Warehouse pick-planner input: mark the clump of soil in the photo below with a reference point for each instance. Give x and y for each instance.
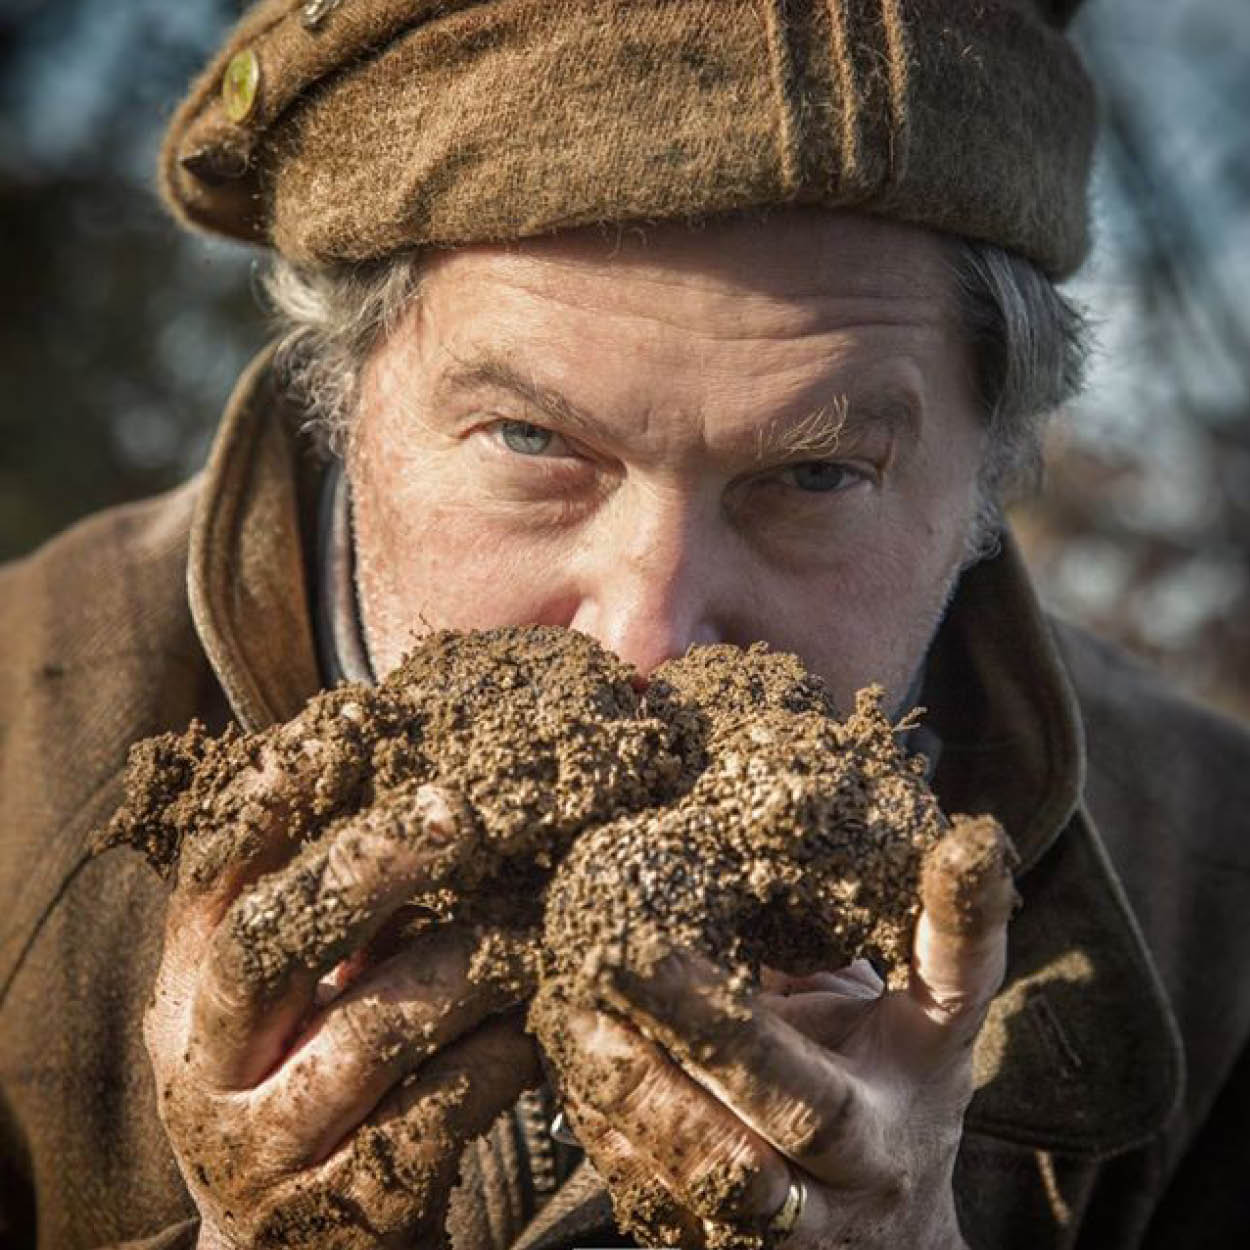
(799, 843)
(539, 732)
(726, 810)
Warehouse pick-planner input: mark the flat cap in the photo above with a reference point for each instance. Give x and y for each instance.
(346, 130)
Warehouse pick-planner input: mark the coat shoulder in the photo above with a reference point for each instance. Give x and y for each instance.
(111, 584)
(100, 650)
(99, 642)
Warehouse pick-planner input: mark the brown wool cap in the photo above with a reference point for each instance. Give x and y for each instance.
(344, 130)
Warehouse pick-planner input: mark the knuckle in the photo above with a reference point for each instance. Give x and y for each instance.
(366, 1027)
(284, 1149)
(248, 1145)
(409, 1154)
(813, 1130)
(602, 1063)
(227, 967)
(276, 1131)
(730, 1176)
(593, 1131)
(257, 949)
(149, 1030)
(641, 1085)
(223, 1019)
(948, 1006)
(160, 1030)
(364, 864)
(350, 868)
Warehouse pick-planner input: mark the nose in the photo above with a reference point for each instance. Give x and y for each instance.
(649, 582)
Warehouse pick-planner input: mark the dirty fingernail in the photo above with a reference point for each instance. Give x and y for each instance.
(441, 813)
(966, 886)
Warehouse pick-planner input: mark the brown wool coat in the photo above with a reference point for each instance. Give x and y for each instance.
(1113, 1088)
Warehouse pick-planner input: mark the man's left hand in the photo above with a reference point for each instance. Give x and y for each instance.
(824, 1086)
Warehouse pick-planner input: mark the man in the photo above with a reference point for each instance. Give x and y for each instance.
(671, 322)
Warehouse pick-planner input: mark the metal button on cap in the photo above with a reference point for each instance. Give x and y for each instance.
(240, 85)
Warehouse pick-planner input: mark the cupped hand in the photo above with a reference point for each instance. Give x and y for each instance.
(316, 1077)
(708, 1111)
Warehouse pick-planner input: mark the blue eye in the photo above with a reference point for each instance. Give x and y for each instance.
(524, 438)
(819, 475)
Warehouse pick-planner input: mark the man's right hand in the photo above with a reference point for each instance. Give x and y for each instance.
(301, 1121)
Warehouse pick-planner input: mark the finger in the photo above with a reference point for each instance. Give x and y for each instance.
(643, 1206)
(704, 1154)
(382, 1027)
(405, 925)
(265, 958)
(267, 798)
(389, 1182)
(824, 1006)
(827, 1018)
(960, 949)
(790, 1090)
(248, 810)
(858, 979)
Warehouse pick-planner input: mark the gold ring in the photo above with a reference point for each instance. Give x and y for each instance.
(791, 1210)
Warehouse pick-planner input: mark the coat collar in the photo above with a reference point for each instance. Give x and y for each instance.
(1080, 1053)
(246, 573)
(1001, 704)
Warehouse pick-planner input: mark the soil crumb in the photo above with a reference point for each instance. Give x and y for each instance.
(725, 809)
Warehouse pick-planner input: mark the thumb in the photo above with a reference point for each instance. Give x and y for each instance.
(959, 953)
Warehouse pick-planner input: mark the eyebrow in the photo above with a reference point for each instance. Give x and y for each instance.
(827, 429)
(499, 373)
(820, 434)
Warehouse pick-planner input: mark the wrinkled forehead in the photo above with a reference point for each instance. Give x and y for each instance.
(793, 258)
(720, 328)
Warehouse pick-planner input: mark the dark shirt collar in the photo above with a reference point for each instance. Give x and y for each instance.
(342, 654)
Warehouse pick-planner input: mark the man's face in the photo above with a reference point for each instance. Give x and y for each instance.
(752, 431)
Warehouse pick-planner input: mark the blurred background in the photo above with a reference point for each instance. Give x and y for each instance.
(122, 336)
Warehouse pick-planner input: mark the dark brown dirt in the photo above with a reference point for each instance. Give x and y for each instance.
(727, 810)
(798, 845)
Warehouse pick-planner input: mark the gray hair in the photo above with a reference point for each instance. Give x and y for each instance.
(1029, 347)
(329, 321)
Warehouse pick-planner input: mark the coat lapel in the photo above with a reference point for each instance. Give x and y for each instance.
(1080, 1053)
